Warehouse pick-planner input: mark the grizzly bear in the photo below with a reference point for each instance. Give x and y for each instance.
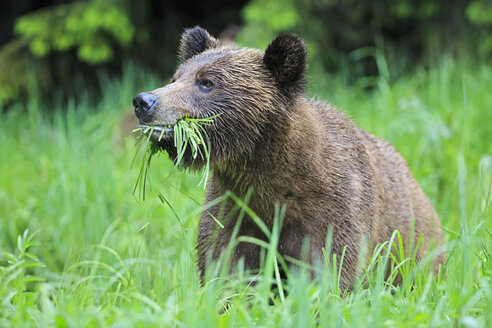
(269, 138)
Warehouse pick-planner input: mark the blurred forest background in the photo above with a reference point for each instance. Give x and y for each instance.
(77, 249)
(58, 46)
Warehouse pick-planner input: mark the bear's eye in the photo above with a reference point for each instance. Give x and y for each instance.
(172, 80)
(205, 85)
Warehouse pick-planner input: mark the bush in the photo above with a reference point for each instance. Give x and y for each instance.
(93, 27)
(410, 31)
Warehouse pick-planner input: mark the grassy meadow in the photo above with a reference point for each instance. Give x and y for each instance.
(77, 249)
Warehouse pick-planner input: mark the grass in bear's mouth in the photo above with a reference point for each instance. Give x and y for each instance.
(188, 132)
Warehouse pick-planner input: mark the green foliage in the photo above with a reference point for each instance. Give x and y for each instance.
(265, 18)
(108, 260)
(479, 12)
(413, 31)
(16, 276)
(149, 150)
(41, 55)
(92, 27)
(14, 67)
(188, 133)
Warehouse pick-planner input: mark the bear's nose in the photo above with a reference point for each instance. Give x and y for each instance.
(144, 103)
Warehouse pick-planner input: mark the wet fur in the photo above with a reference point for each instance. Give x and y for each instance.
(290, 150)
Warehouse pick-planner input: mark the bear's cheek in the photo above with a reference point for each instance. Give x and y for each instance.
(204, 106)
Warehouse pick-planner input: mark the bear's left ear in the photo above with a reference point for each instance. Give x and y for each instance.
(286, 58)
(194, 41)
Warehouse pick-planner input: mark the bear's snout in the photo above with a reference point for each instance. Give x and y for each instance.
(144, 104)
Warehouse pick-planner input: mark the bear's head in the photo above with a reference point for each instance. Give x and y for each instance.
(249, 91)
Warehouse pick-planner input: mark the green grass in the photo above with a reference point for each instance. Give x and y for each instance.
(188, 133)
(79, 250)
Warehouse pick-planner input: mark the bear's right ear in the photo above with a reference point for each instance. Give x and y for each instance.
(286, 58)
(194, 41)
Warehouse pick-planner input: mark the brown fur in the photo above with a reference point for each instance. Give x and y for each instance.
(290, 150)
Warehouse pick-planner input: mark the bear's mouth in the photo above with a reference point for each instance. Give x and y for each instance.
(158, 132)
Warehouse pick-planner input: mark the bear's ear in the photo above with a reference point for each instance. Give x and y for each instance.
(194, 41)
(286, 58)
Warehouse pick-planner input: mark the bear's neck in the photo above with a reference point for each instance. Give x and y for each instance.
(285, 158)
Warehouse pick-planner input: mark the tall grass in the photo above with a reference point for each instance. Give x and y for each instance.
(188, 133)
(77, 249)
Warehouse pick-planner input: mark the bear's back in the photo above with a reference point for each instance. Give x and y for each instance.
(388, 191)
